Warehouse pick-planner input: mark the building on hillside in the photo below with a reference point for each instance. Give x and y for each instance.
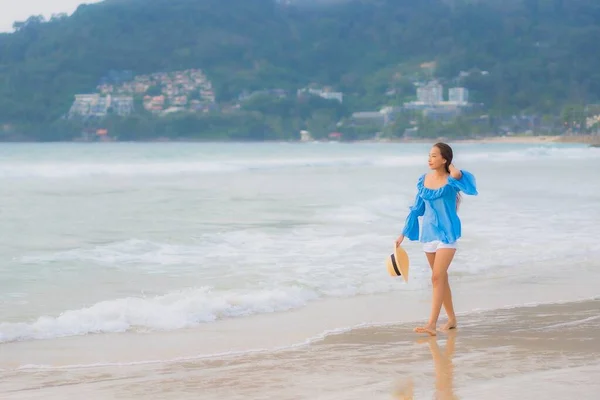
(154, 104)
(430, 101)
(274, 93)
(339, 96)
(305, 136)
(122, 105)
(431, 93)
(336, 136)
(458, 95)
(97, 106)
(368, 118)
(592, 124)
(178, 89)
(82, 104)
(88, 105)
(325, 94)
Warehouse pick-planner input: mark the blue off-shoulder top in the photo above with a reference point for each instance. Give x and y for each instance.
(438, 208)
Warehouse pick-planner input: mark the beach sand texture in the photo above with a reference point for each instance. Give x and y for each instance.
(547, 351)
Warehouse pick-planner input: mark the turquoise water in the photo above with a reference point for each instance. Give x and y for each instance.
(123, 237)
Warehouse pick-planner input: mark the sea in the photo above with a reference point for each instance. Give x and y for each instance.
(195, 270)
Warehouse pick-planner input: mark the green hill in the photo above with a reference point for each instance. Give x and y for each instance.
(539, 55)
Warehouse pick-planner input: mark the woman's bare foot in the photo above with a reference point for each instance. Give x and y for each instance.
(451, 324)
(429, 329)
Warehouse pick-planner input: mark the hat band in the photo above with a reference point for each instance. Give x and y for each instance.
(395, 266)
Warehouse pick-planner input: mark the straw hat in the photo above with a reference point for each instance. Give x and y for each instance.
(397, 263)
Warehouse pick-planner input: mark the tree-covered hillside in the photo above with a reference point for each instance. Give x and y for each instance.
(539, 55)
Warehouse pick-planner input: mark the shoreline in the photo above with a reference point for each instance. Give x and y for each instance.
(290, 329)
(592, 140)
(490, 354)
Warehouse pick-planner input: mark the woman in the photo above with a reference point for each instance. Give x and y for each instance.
(438, 196)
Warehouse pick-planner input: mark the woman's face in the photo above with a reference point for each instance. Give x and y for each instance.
(436, 161)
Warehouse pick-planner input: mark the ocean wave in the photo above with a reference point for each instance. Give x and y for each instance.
(123, 253)
(476, 316)
(175, 310)
(271, 278)
(74, 169)
(282, 292)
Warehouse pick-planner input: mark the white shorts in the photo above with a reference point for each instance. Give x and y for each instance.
(432, 247)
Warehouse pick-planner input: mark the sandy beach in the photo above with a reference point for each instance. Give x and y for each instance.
(547, 351)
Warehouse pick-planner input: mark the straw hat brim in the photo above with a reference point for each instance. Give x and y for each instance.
(397, 263)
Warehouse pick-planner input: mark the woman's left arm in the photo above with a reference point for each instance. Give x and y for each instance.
(455, 173)
(462, 180)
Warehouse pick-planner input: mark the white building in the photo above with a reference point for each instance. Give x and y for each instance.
(305, 136)
(122, 105)
(84, 105)
(339, 96)
(369, 117)
(431, 93)
(96, 105)
(458, 95)
(332, 96)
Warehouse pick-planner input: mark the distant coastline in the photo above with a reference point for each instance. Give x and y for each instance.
(584, 139)
(516, 139)
(592, 140)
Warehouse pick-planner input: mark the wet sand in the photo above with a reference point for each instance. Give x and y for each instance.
(547, 351)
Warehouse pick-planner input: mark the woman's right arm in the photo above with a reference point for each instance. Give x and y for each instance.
(411, 224)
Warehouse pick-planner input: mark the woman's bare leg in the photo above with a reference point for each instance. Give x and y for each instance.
(448, 305)
(439, 279)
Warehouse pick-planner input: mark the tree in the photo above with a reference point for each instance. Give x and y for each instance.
(518, 54)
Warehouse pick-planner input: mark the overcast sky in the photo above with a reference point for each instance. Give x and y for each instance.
(20, 10)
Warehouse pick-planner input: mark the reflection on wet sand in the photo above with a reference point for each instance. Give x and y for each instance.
(444, 370)
(535, 352)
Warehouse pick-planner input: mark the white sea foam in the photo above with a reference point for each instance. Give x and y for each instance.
(72, 169)
(303, 281)
(181, 309)
(475, 315)
(123, 253)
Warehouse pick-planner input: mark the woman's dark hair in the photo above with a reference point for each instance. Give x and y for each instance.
(447, 154)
